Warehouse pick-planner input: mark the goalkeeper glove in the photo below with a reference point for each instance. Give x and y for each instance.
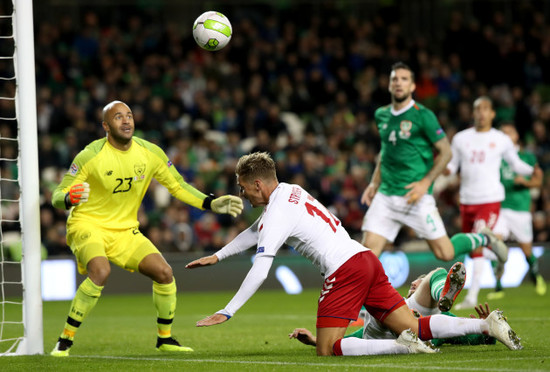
(227, 204)
(77, 194)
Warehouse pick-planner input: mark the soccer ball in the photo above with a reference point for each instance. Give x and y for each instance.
(212, 30)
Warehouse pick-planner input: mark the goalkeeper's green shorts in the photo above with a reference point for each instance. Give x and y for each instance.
(124, 248)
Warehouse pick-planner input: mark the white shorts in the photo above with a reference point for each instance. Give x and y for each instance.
(387, 214)
(514, 225)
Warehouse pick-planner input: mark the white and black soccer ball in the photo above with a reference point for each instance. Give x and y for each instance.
(212, 30)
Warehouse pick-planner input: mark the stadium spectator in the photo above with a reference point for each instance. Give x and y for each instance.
(129, 56)
(103, 189)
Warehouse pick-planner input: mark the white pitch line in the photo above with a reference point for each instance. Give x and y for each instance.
(429, 364)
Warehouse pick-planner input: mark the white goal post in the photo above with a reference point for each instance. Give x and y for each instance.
(25, 104)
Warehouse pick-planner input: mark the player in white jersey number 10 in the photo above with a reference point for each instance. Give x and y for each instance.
(478, 153)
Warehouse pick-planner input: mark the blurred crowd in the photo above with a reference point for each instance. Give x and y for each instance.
(302, 88)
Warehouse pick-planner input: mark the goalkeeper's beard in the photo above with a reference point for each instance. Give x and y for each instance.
(120, 139)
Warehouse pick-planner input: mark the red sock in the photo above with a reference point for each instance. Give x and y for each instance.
(424, 330)
(476, 253)
(336, 348)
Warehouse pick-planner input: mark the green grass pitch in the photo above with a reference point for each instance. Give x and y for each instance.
(119, 335)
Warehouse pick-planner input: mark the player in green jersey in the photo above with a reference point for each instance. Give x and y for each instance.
(103, 190)
(515, 220)
(400, 191)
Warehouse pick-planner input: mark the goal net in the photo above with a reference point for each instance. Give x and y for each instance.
(20, 295)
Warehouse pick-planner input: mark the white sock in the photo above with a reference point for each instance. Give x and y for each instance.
(489, 254)
(479, 264)
(360, 346)
(444, 326)
(425, 311)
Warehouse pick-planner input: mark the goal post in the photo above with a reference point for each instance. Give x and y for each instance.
(25, 108)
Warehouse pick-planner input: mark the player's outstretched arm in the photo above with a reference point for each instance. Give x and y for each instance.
(227, 204)
(304, 336)
(482, 312)
(213, 319)
(203, 261)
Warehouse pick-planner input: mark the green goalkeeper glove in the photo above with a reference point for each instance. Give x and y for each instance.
(77, 194)
(227, 204)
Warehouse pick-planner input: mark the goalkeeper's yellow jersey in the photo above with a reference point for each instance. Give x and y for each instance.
(118, 182)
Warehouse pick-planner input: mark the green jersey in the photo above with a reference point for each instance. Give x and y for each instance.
(518, 197)
(407, 146)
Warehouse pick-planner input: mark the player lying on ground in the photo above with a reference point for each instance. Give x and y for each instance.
(354, 277)
(103, 190)
(428, 295)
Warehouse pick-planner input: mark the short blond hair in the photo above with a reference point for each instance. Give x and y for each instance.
(256, 165)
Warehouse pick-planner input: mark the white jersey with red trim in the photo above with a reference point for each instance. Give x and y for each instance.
(295, 218)
(478, 155)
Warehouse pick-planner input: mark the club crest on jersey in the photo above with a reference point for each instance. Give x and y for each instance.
(405, 127)
(139, 170)
(73, 170)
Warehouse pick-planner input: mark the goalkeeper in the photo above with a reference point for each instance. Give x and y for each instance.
(103, 190)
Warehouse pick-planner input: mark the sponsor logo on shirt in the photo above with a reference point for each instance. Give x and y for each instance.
(439, 131)
(169, 163)
(73, 170)
(260, 250)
